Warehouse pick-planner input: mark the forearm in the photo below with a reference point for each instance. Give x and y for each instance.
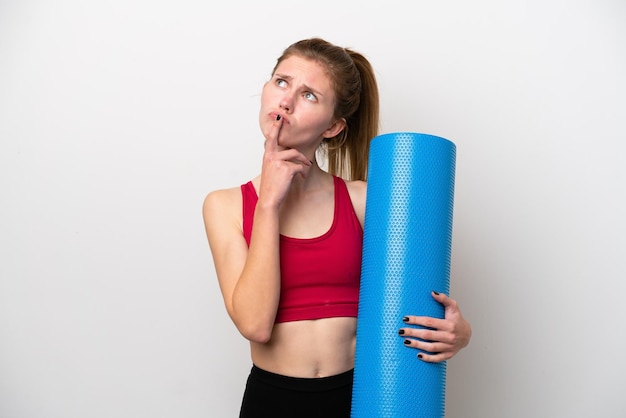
(256, 296)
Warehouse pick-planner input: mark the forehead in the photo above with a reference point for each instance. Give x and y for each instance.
(305, 71)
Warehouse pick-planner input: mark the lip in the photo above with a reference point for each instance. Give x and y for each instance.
(273, 115)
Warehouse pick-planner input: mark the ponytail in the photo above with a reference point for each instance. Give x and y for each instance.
(348, 159)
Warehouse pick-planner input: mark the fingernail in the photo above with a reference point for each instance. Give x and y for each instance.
(401, 332)
(420, 356)
(405, 319)
(436, 293)
(277, 117)
(407, 342)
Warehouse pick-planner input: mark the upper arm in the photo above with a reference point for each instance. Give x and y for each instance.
(222, 216)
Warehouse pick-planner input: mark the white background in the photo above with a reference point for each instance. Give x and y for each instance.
(117, 118)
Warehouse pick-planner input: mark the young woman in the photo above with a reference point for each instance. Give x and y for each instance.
(287, 245)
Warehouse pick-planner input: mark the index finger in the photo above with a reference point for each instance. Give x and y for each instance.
(271, 139)
(425, 321)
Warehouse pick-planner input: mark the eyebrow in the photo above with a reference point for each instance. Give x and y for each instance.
(306, 86)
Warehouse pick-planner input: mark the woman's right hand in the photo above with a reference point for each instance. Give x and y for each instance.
(279, 168)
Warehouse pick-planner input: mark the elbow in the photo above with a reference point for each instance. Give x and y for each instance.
(260, 338)
(256, 333)
(254, 329)
(254, 325)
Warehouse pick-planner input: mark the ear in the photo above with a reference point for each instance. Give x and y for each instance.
(335, 128)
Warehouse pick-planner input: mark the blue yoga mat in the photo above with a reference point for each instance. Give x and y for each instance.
(406, 255)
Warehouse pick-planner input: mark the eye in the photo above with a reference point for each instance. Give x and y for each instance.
(280, 82)
(310, 96)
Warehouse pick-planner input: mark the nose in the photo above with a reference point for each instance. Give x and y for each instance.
(286, 103)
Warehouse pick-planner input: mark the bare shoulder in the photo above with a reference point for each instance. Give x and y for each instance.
(357, 190)
(222, 208)
(222, 199)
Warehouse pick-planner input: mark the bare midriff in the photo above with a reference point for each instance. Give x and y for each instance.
(312, 348)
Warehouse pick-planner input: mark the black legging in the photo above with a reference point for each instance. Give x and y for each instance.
(272, 395)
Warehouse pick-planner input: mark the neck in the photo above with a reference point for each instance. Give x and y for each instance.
(314, 178)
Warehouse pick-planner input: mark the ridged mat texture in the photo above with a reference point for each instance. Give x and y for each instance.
(406, 255)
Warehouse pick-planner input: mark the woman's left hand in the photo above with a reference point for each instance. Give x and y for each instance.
(441, 339)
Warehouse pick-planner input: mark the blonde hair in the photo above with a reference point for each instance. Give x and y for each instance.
(357, 101)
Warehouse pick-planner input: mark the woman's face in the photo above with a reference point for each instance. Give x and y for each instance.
(300, 92)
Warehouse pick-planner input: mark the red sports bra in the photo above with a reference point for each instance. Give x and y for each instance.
(319, 276)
